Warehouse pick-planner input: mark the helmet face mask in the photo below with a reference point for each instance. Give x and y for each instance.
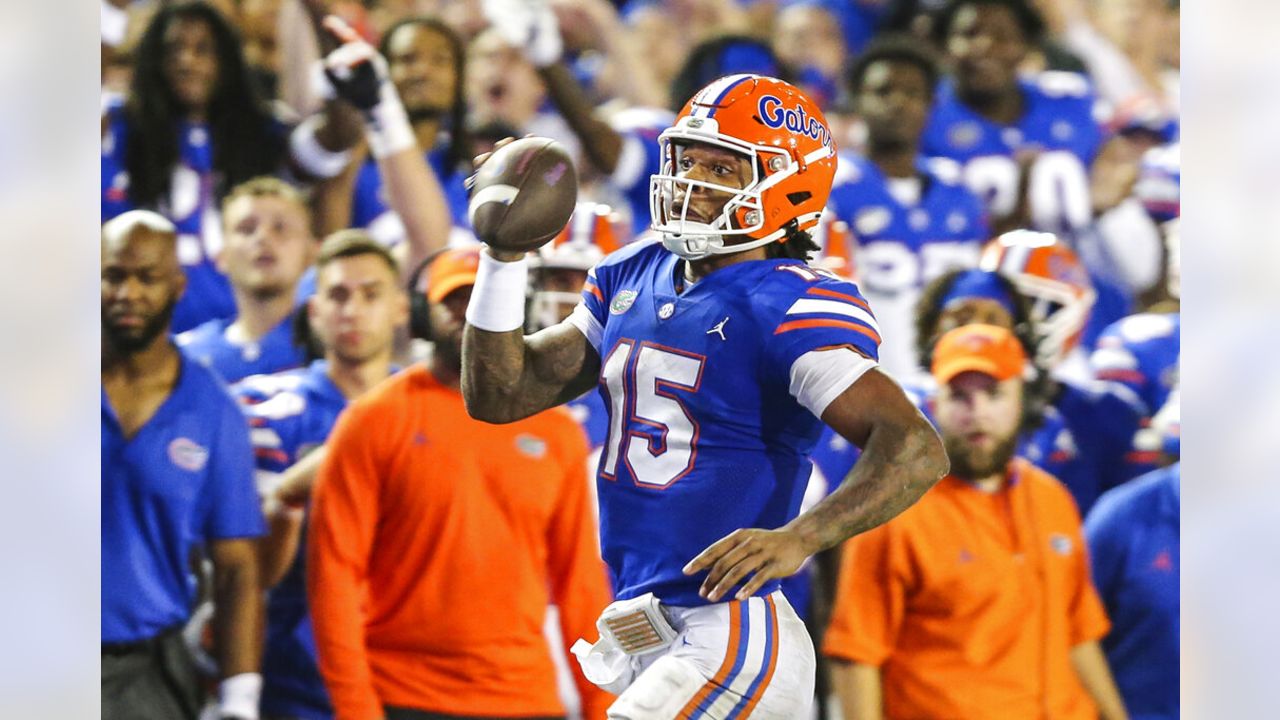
(788, 146)
(593, 231)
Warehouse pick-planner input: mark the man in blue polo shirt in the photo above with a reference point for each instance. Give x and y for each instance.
(177, 475)
(1134, 550)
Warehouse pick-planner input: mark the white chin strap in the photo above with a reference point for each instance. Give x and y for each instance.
(706, 240)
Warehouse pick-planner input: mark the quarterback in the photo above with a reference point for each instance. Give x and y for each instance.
(720, 354)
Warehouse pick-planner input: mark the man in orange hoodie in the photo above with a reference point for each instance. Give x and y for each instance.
(976, 601)
(438, 541)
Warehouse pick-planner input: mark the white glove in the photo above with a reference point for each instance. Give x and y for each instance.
(528, 25)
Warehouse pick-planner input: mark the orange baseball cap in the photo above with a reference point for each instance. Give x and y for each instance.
(987, 349)
(452, 269)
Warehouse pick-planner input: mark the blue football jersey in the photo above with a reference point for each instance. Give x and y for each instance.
(705, 436)
(1136, 360)
(209, 343)
(900, 248)
(1058, 120)
(1135, 558)
(369, 207)
(591, 413)
(290, 414)
(191, 207)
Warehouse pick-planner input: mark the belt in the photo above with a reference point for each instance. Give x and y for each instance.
(139, 646)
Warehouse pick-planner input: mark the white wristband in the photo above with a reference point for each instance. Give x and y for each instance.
(497, 299)
(387, 126)
(238, 695)
(311, 155)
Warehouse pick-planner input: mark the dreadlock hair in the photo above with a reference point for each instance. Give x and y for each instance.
(1039, 390)
(241, 125)
(797, 245)
(458, 154)
(720, 56)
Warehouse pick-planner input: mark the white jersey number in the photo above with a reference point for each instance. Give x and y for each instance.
(1057, 188)
(638, 381)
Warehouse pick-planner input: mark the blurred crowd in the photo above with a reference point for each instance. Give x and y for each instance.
(285, 193)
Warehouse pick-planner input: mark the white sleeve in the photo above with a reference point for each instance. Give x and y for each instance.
(582, 319)
(819, 376)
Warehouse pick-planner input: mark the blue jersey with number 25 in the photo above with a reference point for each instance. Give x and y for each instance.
(705, 436)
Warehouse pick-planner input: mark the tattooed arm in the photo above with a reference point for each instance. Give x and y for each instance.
(902, 457)
(507, 376)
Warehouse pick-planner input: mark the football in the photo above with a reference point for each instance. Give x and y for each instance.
(523, 194)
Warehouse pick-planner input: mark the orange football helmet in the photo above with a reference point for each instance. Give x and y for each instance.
(1053, 279)
(594, 230)
(793, 160)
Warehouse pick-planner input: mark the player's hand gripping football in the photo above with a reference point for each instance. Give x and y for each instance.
(752, 554)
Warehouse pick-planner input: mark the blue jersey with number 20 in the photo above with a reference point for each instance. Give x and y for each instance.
(705, 436)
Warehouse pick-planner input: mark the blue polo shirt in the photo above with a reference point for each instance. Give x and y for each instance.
(185, 478)
(234, 361)
(1134, 549)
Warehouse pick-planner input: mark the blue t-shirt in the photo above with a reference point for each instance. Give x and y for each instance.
(183, 480)
(291, 413)
(369, 208)
(704, 436)
(1136, 360)
(274, 352)
(900, 247)
(1134, 550)
(1058, 120)
(191, 206)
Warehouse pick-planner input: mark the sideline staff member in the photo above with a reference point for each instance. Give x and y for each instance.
(177, 472)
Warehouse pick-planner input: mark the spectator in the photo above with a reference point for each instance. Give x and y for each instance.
(176, 475)
(425, 61)
(985, 578)
(417, 510)
(268, 239)
(1134, 547)
(913, 218)
(1000, 125)
(358, 305)
(192, 127)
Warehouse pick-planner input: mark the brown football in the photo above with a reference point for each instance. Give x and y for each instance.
(523, 194)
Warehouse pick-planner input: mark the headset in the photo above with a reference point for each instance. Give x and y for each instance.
(419, 308)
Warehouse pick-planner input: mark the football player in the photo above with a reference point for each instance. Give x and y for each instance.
(557, 273)
(425, 61)
(910, 220)
(358, 305)
(1025, 143)
(721, 354)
